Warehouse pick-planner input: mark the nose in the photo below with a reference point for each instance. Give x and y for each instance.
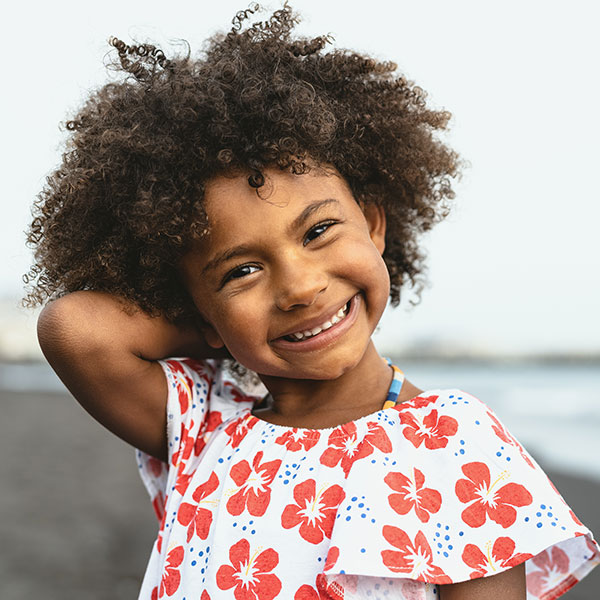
(300, 282)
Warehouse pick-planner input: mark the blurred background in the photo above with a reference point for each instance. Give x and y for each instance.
(510, 313)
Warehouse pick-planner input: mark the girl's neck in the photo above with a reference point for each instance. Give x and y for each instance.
(319, 404)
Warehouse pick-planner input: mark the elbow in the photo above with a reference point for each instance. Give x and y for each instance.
(64, 326)
(52, 328)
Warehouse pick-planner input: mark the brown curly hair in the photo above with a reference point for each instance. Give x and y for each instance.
(126, 202)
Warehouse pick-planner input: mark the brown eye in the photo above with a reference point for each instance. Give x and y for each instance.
(317, 231)
(240, 272)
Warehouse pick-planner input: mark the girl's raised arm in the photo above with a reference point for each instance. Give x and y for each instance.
(508, 585)
(105, 352)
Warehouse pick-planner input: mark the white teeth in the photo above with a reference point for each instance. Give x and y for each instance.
(300, 335)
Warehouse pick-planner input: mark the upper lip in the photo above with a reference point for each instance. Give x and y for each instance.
(309, 324)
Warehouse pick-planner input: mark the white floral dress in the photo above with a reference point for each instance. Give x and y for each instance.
(432, 491)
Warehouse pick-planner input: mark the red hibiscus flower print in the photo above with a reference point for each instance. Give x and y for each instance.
(307, 592)
(412, 495)
(183, 480)
(332, 555)
(295, 440)
(250, 575)
(254, 483)
(416, 402)
(324, 590)
(186, 445)
(195, 516)
(327, 588)
(432, 430)
(171, 577)
(158, 504)
(184, 384)
(204, 595)
(346, 447)
(156, 466)
(233, 393)
(553, 574)
(181, 456)
(574, 517)
(413, 558)
(214, 419)
(497, 557)
(314, 511)
(486, 499)
(507, 438)
(237, 430)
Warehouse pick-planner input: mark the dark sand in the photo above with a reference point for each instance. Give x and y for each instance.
(75, 520)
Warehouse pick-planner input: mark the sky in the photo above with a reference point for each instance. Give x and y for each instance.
(514, 269)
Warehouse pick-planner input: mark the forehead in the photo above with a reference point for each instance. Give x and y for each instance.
(229, 200)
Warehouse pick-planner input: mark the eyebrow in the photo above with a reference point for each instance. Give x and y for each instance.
(244, 249)
(224, 257)
(309, 211)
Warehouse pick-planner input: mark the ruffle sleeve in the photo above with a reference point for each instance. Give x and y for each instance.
(453, 497)
(189, 385)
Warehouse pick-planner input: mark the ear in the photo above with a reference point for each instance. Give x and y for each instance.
(210, 334)
(375, 217)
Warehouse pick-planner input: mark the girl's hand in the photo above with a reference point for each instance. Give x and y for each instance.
(105, 352)
(508, 585)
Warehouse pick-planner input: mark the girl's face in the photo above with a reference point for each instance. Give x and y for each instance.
(292, 284)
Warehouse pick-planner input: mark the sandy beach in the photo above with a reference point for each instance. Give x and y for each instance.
(76, 521)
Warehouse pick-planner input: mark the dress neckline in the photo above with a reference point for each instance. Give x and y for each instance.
(391, 401)
(316, 431)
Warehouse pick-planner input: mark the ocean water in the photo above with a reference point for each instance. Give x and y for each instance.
(552, 409)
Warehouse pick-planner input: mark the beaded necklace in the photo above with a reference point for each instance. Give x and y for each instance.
(395, 386)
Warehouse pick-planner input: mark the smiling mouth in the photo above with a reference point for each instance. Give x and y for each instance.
(299, 336)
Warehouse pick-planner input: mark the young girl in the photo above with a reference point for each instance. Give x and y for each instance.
(256, 208)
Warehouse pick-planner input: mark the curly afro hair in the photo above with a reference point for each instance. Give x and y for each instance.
(126, 202)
